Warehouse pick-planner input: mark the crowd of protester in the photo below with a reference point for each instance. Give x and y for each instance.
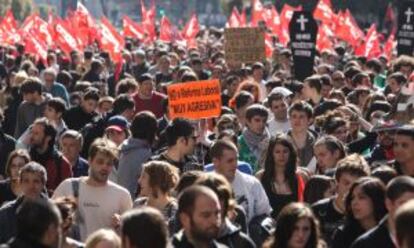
(89, 156)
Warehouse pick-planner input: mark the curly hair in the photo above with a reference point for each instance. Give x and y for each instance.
(162, 176)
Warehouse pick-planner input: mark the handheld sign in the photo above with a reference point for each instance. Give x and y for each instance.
(405, 34)
(244, 45)
(303, 30)
(194, 100)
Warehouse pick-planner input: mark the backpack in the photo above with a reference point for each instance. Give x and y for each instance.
(90, 132)
(75, 230)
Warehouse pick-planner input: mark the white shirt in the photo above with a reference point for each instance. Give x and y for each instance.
(276, 126)
(250, 195)
(96, 205)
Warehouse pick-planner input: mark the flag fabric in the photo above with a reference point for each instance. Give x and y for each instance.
(243, 18)
(192, 28)
(165, 30)
(258, 13)
(268, 45)
(273, 20)
(234, 19)
(285, 17)
(35, 46)
(9, 22)
(10, 28)
(323, 11)
(148, 20)
(111, 41)
(324, 38)
(64, 37)
(132, 29)
(347, 29)
(35, 24)
(83, 25)
(370, 46)
(389, 46)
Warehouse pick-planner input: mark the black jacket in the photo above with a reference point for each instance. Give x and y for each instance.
(8, 219)
(76, 118)
(346, 234)
(93, 130)
(181, 241)
(379, 236)
(7, 145)
(140, 69)
(23, 243)
(233, 237)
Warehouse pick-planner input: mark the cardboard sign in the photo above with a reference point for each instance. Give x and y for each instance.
(194, 100)
(405, 34)
(303, 30)
(244, 45)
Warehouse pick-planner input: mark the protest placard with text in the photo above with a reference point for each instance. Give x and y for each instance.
(244, 45)
(194, 100)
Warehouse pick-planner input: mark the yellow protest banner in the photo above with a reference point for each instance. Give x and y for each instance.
(194, 100)
(244, 45)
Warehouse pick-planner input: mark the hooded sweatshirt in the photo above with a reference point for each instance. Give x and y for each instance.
(134, 152)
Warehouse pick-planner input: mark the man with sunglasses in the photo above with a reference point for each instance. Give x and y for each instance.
(181, 139)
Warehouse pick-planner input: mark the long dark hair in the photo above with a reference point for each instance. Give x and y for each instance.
(286, 222)
(375, 190)
(269, 163)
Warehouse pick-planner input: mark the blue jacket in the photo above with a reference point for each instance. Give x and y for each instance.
(58, 90)
(134, 152)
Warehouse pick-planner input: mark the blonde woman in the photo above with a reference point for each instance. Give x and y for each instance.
(103, 238)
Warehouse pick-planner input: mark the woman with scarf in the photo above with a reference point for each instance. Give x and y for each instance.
(280, 177)
(255, 136)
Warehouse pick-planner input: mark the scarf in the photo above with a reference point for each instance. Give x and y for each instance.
(256, 142)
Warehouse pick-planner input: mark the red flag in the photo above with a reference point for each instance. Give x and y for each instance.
(348, 30)
(370, 46)
(11, 38)
(9, 26)
(285, 17)
(268, 46)
(64, 37)
(192, 28)
(37, 47)
(323, 11)
(389, 47)
(165, 30)
(132, 29)
(111, 41)
(9, 22)
(258, 12)
(148, 20)
(273, 20)
(323, 40)
(243, 18)
(84, 25)
(35, 24)
(234, 19)
(29, 23)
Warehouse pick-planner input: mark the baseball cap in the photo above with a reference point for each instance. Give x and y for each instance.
(117, 123)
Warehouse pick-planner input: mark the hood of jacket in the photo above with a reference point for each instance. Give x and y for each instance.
(133, 144)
